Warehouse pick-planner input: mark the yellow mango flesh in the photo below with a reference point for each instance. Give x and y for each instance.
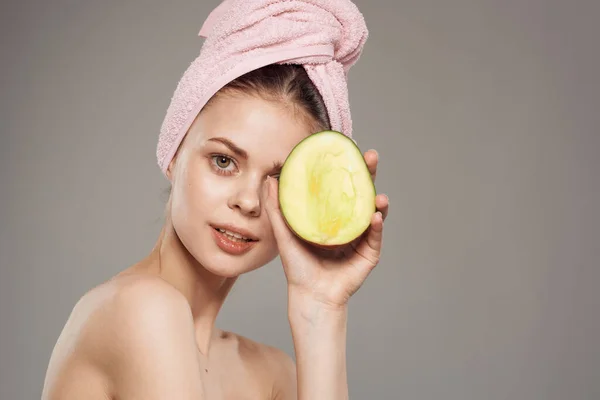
(326, 192)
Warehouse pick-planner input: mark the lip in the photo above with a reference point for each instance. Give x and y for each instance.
(232, 228)
(229, 246)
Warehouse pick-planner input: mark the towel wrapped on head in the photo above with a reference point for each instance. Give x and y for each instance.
(326, 37)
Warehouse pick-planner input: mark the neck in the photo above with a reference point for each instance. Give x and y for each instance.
(204, 291)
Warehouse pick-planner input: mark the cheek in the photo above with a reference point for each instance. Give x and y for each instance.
(196, 195)
(199, 189)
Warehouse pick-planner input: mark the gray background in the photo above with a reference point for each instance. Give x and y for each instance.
(485, 114)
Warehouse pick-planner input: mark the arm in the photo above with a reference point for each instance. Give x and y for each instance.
(319, 287)
(319, 335)
(145, 344)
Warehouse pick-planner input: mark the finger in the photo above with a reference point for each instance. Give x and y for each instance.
(382, 203)
(271, 199)
(368, 250)
(372, 159)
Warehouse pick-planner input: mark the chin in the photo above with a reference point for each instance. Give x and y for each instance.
(223, 258)
(222, 261)
(228, 266)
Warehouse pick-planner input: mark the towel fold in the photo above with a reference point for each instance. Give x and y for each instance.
(326, 37)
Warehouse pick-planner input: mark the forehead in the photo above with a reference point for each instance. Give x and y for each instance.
(262, 128)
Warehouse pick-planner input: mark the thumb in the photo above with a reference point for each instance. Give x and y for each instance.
(282, 232)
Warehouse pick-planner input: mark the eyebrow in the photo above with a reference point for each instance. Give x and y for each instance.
(277, 165)
(232, 146)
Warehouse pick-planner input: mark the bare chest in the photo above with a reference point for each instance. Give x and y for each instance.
(227, 375)
(232, 386)
(221, 381)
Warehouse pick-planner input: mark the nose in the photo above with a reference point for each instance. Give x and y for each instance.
(247, 200)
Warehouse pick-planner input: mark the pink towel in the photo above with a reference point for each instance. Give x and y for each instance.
(326, 37)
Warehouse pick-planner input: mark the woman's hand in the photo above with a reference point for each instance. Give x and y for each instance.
(328, 276)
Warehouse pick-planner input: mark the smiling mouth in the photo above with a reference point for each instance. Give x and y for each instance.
(233, 236)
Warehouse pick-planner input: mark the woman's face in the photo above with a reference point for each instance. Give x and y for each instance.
(218, 176)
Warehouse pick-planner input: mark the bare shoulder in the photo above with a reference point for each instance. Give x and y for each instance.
(132, 308)
(277, 366)
(118, 331)
(128, 301)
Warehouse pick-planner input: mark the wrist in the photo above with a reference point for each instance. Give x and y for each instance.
(310, 309)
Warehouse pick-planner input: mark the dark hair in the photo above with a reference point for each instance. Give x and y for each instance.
(287, 83)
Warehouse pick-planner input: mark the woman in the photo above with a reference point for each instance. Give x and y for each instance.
(149, 333)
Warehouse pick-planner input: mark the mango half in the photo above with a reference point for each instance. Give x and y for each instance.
(326, 193)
